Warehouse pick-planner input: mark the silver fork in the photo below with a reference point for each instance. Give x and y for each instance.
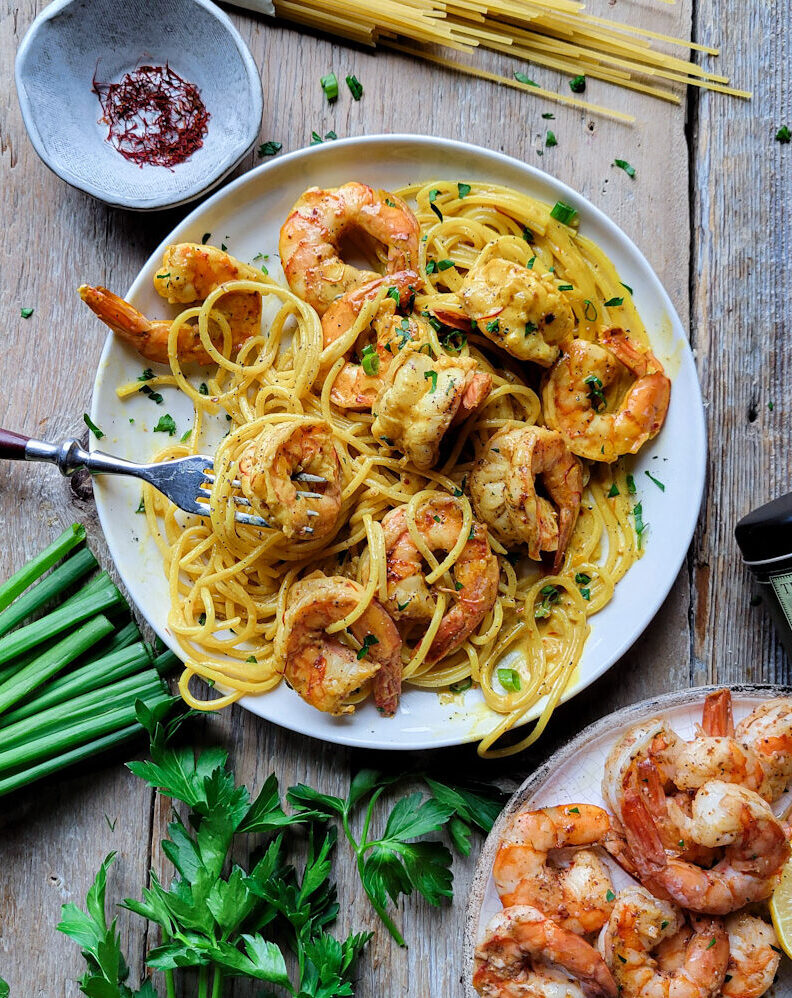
(183, 480)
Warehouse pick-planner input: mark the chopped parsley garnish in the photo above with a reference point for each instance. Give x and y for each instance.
(445, 264)
(186, 435)
(595, 393)
(530, 263)
(201, 619)
(472, 533)
(590, 311)
(550, 139)
(431, 266)
(92, 426)
(631, 485)
(402, 606)
(147, 375)
(610, 896)
(458, 586)
(203, 388)
(166, 425)
(624, 165)
(389, 203)
(368, 641)
(461, 686)
(206, 237)
(626, 286)
(317, 139)
(463, 190)
(657, 481)
(432, 376)
(223, 246)
(770, 406)
(573, 810)
(581, 579)
(269, 148)
(527, 234)
(712, 942)
(155, 397)
(563, 212)
(455, 341)
(548, 115)
(251, 658)
(393, 292)
(330, 86)
(141, 506)
(493, 326)
(523, 78)
(783, 135)
(550, 594)
(577, 84)
(530, 327)
(432, 198)
(509, 680)
(566, 287)
(26, 312)
(613, 491)
(355, 87)
(614, 302)
(664, 924)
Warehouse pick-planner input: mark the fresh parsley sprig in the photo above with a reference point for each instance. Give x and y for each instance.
(391, 863)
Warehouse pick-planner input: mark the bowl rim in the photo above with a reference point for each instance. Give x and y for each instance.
(231, 161)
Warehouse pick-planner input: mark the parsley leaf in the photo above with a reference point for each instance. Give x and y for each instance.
(269, 148)
(166, 424)
(92, 426)
(783, 135)
(523, 78)
(624, 165)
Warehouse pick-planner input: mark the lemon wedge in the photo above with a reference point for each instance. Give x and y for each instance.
(781, 909)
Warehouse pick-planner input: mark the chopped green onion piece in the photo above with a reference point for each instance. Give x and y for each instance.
(445, 264)
(432, 376)
(548, 115)
(550, 139)
(613, 491)
(563, 212)
(92, 426)
(631, 485)
(509, 680)
(402, 606)
(463, 190)
(369, 358)
(523, 78)
(461, 686)
(269, 148)
(206, 237)
(147, 375)
(393, 292)
(186, 435)
(624, 165)
(330, 86)
(432, 198)
(614, 302)
(530, 263)
(566, 287)
(355, 86)
(657, 481)
(626, 286)
(26, 312)
(640, 526)
(527, 234)
(590, 311)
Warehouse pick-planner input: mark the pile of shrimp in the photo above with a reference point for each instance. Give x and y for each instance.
(693, 824)
(460, 415)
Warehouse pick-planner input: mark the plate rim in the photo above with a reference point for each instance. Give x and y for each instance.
(634, 713)
(230, 163)
(358, 736)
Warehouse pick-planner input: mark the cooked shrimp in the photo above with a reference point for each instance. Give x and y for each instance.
(525, 955)
(311, 237)
(421, 398)
(576, 895)
(638, 925)
(753, 956)
(475, 572)
(715, 754)
(503, 489)
(723, 815)
(353, 387)
(518, 309)
(269, 464)
(319, 666)
(189, 273)
(575, 403)
(768, 732)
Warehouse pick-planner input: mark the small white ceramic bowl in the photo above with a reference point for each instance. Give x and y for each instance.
(73, 40)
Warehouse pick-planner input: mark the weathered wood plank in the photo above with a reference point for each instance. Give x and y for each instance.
(54, 237)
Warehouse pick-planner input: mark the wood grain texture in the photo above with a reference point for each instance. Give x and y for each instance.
(735, 291)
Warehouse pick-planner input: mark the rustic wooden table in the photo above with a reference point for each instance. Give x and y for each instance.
(710, 207)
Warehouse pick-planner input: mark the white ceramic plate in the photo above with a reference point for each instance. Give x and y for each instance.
(574, 775)
(247, 217)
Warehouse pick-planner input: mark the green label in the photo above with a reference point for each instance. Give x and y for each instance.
(782, 587)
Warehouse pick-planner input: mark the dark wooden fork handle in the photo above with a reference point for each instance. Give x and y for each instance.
(12, 445)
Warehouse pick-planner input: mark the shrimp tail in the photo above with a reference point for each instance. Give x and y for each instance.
(718, 718)
(644, 844)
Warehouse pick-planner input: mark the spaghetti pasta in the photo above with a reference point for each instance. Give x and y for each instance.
(230, 582)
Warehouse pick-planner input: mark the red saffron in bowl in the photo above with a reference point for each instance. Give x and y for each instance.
(154, 117)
